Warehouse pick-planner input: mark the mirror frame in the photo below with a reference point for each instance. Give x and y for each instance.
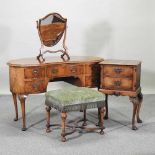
(65, 56)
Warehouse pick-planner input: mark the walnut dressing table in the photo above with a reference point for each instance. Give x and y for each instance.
(29, 76)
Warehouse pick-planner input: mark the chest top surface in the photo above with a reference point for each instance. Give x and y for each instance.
(53, 60)
(121, 62)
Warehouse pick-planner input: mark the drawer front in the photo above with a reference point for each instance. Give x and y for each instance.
(34, 72)
(56, 71)
(117, 83)
(35, 86)
(117, 70)
(74, 70)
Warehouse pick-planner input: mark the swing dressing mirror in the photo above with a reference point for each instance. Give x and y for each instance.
(51, 29)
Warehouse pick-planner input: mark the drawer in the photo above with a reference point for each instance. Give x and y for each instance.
(117, 70)
(74, 70)
(56, 71)
(117, 83)
(34, 72)
(35, 86)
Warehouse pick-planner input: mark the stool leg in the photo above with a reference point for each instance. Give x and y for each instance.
(63, 125)
(99, 116)
(84, 118)
(106, 105)
(48, 109)
(102, 120)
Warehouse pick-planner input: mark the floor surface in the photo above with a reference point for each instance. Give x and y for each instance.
(118, 139)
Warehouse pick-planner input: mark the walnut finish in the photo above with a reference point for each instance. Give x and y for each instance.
(83, 126)
(29, 76)
(122, 77)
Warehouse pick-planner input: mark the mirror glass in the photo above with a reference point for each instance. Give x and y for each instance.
(51, 29)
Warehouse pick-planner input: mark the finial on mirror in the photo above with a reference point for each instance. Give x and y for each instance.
(51, 29)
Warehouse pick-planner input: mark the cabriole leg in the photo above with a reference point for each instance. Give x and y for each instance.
(135, 103)
(22, 99)
(140, 98)
(15, 105)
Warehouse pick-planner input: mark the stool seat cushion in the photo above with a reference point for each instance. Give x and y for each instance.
(74, 98)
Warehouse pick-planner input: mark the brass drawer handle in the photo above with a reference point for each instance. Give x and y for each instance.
(54, 71)
(117, 83)
(73, 70)
(35, 71)
(118, 70)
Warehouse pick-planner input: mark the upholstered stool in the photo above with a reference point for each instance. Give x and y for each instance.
(75, 99)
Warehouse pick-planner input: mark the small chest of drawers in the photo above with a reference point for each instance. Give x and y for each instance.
(122, 77)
